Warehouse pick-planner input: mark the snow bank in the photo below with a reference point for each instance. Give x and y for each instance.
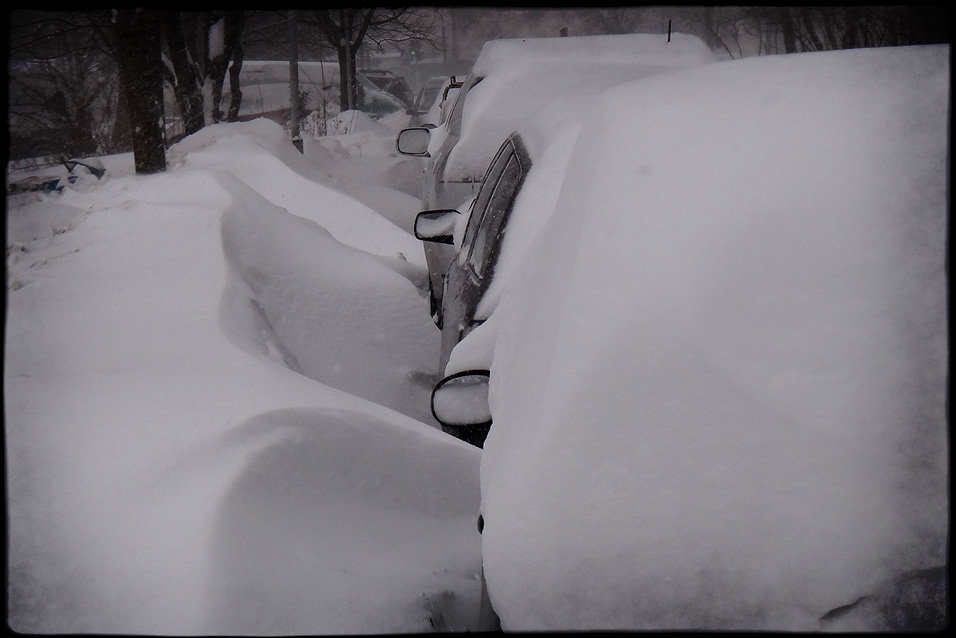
(333, 309)
(167, 472)
(345, 524)
(719, 379)
(367, 167)
(356, 122)
(289, 180)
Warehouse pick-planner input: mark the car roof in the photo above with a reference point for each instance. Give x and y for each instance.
(675, 50)
(617, 133)
(523, 76)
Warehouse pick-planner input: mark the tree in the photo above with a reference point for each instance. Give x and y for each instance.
(201, 48)
(137, 41)
(182, 73)
(66, 62)
(63, 93)
(225, 28)
(825, 28)
(295, 95)
(348, 29)
(70, 76)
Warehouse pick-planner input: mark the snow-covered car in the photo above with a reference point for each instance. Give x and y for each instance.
(426, 100)
(718, 369)
(477, 235)
(510, 82)
(488, 240)
(80, 173)
(390, 83)
(441, 107)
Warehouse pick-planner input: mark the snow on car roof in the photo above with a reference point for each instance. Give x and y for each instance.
(523, 76)
(678, 49)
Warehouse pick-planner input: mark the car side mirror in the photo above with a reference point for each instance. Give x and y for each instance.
(436, 225)
(414, 141)
(461, 400)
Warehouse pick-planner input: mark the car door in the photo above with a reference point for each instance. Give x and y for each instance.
(470, 273)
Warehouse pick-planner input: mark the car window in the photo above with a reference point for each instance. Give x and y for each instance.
(492, 221)
(493, 205)
(480, 206)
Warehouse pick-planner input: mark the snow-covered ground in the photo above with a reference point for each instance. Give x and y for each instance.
(216, 400)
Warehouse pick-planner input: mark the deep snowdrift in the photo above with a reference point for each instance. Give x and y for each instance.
(167, 472)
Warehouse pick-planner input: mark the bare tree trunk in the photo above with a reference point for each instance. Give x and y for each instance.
(347, 62)
(789, 33)
(217, 64)
(710, 27)
(184, 79)
(236, 54)
(140, 71)
(830, 39)
(235, 90)
(810, 28)
(294, 115)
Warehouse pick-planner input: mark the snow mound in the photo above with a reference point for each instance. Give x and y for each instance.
(346, 524)
(332, 308)
(259, 154)
(351, 122)
(150, 418)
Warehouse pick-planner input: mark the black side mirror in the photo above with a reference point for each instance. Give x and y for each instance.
(414, 141)
(461, 400)
(436, 225)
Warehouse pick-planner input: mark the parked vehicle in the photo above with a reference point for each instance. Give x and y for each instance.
(718, 364)
(510, 82)
(78, 171)
(470, 272)
(489, 240)
(426, 98)
(390, 83)
(441, 106)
